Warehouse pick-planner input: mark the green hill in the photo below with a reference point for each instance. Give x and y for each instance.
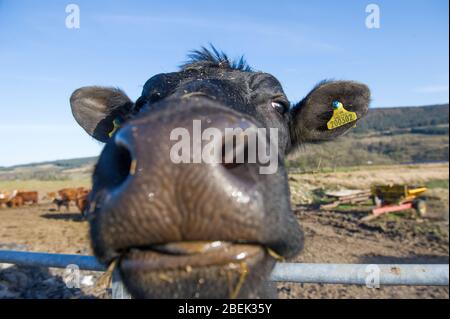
(62, 164)
(395, 118)
(51, 170)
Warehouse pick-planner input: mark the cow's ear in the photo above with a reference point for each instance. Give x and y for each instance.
(329, 110)
(99, 110)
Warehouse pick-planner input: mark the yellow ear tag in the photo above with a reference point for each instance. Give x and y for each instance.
(340, 116)
(116, 124)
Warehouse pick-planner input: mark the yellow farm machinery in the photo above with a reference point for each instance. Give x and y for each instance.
(398, 197)
(385, 198)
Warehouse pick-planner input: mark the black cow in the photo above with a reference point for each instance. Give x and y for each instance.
(187, 230)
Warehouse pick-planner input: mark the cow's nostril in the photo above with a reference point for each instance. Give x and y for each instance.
(123, 163)
(242, 167)
(237, 156)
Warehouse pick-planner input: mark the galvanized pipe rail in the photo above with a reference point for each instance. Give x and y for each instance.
(355, 274)
(363, 274)
(26, 258)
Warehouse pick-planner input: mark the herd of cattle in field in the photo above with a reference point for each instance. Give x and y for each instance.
(61, 198)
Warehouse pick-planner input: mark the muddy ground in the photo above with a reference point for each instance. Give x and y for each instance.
(330, 237)
(340, 237)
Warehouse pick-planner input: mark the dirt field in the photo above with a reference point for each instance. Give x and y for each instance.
(330, 237)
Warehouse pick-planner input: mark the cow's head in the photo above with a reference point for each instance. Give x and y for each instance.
(190, 228)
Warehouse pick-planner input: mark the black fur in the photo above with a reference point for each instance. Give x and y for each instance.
(214, 58)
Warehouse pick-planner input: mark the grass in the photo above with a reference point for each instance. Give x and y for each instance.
(351, 207)
(366, 151)
(385, 174)
(398, 215)
(437, 183)
(345, 207)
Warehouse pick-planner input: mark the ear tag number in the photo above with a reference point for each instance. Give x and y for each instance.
(116, 124)
(340, 116)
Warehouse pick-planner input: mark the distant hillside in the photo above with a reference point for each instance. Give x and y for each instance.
(384, 119)
(63, 164)
(385, 135)
(51, 170)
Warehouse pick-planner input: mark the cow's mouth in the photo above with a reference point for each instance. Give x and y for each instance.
(196, 270)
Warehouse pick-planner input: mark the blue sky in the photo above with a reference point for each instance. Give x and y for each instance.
(123, 43)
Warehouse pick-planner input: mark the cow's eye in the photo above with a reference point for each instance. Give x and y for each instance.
(155, 96)
(280, 106)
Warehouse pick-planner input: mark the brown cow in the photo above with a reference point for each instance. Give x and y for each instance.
(82, 201)
(19, 198)
(77, 195)
(70, 194)
(28, 197)
(15, 201)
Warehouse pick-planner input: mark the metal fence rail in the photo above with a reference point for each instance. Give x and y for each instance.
(357, 274)
(26, 258)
